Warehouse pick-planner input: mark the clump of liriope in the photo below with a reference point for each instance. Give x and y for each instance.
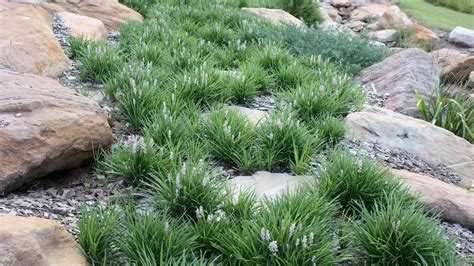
(352, 180)
(139, 103)
(242, 89)
(133, 74)
(201, 86)
(97, 227)
(172, 122)
(230, 137)
(263, 81)
(151, 53)
(137, 158)
(272, 57)
(77, 46)
(329, 129)
(293, 229)
(192, 186)
(148, 238)
(394, 232)
(283, 141)
(99, 62)
(333, 97)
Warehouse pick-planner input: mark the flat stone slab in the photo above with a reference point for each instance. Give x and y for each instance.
(266, 184)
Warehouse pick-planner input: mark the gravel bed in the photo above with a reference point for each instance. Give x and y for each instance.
(59, 197)
(398, 159)
(263, 103)
(463, 240)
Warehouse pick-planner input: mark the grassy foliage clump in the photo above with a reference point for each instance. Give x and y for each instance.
(394, 232)
(453, 114)
(284, 141)
(307, 10)
(230, 138)
(352, 181)
(187, 191)
(100, 61)
(293, 229)
(97, 227)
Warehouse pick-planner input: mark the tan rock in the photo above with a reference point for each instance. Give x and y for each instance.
(455, 65)
(422, 35)
(400, 76)
(253, 116)
(266, 184)
(39, 242)
(356, 25)
(27, 43)
(383, 36)
(454, 204)
(45, 127)
(369, 11)
(330, 12)
(393, 17)
(82, 26)
(110, 12)
(276, 16)
(395, 131)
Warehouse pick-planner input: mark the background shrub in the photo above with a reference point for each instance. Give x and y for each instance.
(466, 6)
(351, 52)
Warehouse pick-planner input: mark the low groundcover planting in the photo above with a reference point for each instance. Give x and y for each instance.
(171, 79)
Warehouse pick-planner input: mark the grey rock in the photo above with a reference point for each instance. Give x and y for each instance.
(402, 75)
(462, 36)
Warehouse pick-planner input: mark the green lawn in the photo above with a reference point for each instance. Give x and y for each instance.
(436, 16)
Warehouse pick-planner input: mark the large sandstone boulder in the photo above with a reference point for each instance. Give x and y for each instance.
(45, 127)
(369, 11)
(401, 76)
(454, 204)
(27, 43)
(266, 184)
(395, 131)
(393, 17)
(39, 242)
(276, 16)
(110, 12)
(329, 12)
(462, 36)
(455, 65)
(82, 26)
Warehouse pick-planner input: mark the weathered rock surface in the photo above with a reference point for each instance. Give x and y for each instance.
(369, 11)
(383, 36)
(35, 241)
(27, 43)
(401, 76)
(110, 12)
(253, 116)
(422, 35)
(45, 127)
(276, 16)
(462, 36)
(454, 204)
(268, 184)
(330, 12)
(87, 27)
(395, 131)
(393, 17)
(456, 65)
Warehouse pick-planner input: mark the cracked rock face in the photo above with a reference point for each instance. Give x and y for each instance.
(45, 127)
(395, 131)
(400, 76)
(27, 43)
